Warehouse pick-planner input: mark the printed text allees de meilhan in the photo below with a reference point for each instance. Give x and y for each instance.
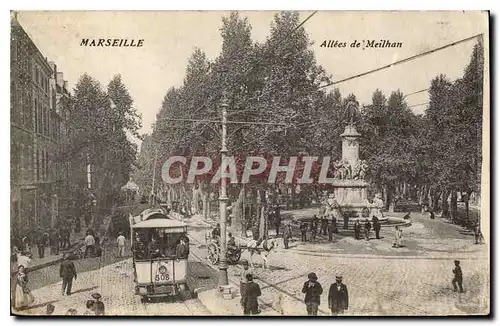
(101, 42)
(361, 44)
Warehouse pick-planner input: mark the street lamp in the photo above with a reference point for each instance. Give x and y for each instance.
(223, 279)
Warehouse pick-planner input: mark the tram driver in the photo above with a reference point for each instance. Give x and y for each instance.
(154, 248)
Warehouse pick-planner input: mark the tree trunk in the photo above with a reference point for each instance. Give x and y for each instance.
(390, 197)
(454, 206)
(444, 203)
(435, 195)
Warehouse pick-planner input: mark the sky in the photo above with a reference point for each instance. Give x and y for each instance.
(170, 38)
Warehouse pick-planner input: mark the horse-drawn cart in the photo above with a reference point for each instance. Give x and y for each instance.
(213, 248)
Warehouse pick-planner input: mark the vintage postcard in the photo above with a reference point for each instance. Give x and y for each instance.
(210, 163)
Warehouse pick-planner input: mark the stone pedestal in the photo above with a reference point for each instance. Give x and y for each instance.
(351, 194)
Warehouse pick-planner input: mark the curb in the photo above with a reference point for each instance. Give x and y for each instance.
(231, 280)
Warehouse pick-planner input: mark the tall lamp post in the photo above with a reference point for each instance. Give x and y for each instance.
(223, 279)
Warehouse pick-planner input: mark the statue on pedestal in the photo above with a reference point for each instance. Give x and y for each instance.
(359, 171)
(351, 111)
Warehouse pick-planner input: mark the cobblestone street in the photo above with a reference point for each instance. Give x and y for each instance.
(115, 283)
(378, 284)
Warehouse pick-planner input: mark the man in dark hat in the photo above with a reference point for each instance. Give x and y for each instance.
(357, 230)
(367, 229)
(324, 225)
(338, 297)
(303, 230)
(313, 290)
(457, 277)
(67, 272)
(98, 304)
(376, 226)
(252, 292)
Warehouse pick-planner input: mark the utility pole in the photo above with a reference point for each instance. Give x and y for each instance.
(152, 200)
(223, 279)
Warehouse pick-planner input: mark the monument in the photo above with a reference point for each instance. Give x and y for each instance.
(349, 197)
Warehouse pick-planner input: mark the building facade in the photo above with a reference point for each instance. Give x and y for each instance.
(38, 113)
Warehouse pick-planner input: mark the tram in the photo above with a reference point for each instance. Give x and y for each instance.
(160, 249)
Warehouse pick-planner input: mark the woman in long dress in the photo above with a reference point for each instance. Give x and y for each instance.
(23, 296)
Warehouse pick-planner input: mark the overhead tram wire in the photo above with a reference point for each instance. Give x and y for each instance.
(417, 92)
(403, 60)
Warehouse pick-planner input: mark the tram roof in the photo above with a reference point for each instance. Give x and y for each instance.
(159, 223)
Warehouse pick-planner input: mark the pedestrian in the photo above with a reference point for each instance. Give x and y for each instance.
(50, 309)
(303, 230)
(334, 225)
(324, 225)
(314, 230)
(252, 292)
(121, 245)
(277, 219)
(457, 277)
(89, 245)
(338, 297)
(312, 288)
(287, 235)
(65, 233)
(231, 243)
(99, 307)
(331, 230)
(367, 229)
(67, 272)
(23, 296)
(357, 230)
(26, 244)
(40, 244)
(54, 242)
(376, 226)
(398, 237)
(346, 221)
(244, 271)
(477, 234)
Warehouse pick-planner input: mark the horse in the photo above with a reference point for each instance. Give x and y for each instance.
(261, 248)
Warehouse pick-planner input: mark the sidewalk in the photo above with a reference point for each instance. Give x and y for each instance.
(37, 263)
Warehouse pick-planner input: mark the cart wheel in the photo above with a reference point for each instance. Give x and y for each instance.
(213, 254)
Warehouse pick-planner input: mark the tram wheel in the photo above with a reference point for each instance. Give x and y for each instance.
(213, 254)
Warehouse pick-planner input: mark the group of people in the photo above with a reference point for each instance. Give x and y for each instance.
(93, 307)
(367, 228)
(54, 238)
(322, 226)
(338, 296)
